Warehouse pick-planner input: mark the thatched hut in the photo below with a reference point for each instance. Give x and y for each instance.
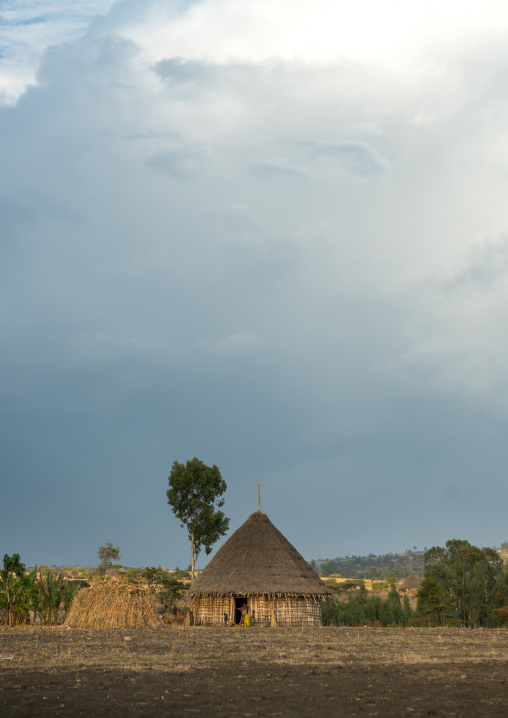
(257, 565)
(410, 584)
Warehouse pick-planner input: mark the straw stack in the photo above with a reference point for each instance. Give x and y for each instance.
(112, 604)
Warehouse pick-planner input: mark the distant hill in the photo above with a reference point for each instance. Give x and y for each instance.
(398, 565)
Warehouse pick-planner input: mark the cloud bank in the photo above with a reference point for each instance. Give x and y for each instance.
(269, 235)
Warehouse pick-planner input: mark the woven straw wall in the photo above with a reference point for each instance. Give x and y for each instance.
(262, 607)
(209, 610)
(301, 611)
(287, 610)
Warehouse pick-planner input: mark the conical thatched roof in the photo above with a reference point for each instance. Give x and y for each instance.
(412, 581)
(258, 560)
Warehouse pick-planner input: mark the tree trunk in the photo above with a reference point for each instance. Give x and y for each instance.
(193, 558)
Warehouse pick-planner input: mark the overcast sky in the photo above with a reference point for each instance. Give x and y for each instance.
(272, 235)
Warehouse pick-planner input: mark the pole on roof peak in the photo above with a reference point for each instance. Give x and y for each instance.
(259, 498)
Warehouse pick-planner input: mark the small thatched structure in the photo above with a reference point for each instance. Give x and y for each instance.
(257, 565)
(112, 604)
(410, 584)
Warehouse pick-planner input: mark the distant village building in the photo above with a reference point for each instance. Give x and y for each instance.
(410, 585)
(258, 566)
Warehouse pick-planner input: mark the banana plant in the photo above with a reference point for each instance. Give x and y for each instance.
(17, 587)
(51, 590)
(69, 594)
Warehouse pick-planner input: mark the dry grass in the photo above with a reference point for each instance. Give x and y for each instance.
(112, 604)
(292, 673)
(184, 648)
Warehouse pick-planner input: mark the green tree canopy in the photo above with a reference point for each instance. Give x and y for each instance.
(107, 554)
(168, 588)
(194, 494)
(462, 581)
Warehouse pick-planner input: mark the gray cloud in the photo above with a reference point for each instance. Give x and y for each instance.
(183, 70)
(182, 162)
(485, 266)
(354, 156)
(274, 166)
(240, 343)
(183, 273)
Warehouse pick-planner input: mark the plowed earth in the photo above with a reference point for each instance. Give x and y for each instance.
(254, 672)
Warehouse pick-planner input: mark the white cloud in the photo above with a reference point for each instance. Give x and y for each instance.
(325, 30)
(27, 28)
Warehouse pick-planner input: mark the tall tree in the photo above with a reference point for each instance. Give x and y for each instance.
(194, 494)
(467, 578)
(107, 554)
(433, 601)
(394, 601)
(407, 611)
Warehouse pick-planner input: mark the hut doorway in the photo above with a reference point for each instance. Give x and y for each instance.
(239, 601)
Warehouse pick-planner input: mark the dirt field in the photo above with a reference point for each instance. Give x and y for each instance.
(254, 672)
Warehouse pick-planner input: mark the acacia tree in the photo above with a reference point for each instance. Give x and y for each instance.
(194, 495)
(168, 588)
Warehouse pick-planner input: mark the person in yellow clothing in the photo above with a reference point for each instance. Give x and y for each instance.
(245, 615)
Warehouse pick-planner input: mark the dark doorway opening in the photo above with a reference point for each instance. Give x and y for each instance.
(239, 601)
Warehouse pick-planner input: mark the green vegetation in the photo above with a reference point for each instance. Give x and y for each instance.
(345, 586)
(463, 585)
(52, 593)
(166, 587)
(134, 575)
(43, 592)
(17, 587)
(363, 608)
(194, 496)
(179, 573)
(390, 566)
(107, 554)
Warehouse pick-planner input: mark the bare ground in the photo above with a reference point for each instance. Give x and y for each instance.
(254, 672)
